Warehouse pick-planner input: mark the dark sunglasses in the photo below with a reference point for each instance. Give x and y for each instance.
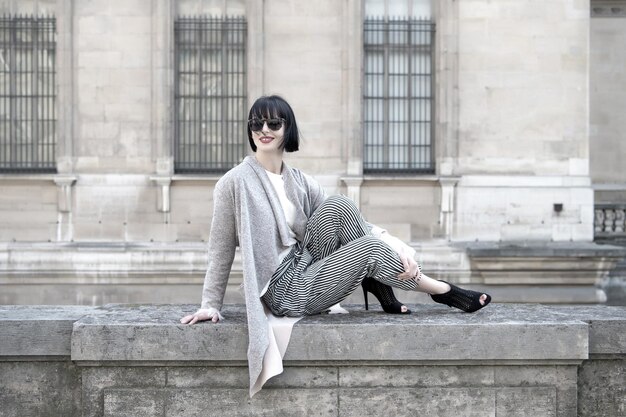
(256, 125)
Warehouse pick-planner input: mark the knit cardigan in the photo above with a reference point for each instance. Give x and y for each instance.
(248, 213)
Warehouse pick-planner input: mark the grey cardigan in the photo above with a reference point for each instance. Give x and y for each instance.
(247, 213)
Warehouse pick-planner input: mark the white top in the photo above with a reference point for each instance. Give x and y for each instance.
(288, 207)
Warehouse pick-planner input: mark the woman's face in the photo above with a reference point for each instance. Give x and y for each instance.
(268, 140)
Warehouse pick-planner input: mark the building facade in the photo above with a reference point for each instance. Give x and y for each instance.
(465, 127)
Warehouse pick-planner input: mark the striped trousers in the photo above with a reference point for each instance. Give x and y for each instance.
(336, 254)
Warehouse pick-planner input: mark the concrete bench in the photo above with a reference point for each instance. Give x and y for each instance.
(138, 360)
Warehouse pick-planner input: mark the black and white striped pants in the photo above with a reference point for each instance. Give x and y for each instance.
(337, 253)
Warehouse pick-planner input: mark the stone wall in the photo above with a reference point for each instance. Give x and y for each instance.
(523, 114)
(511, 120)
(138, 360)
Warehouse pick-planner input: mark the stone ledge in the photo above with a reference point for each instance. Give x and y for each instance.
(543, 249)
(38, 330)
(433, 333)
(144, 333)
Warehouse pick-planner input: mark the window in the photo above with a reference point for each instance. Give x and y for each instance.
(27, 94)
(398, 98)
(210, 93)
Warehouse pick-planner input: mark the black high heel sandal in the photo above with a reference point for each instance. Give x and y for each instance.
(466, 300)
(385, 296)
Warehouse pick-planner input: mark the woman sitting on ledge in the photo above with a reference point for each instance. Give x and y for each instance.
(301, 251)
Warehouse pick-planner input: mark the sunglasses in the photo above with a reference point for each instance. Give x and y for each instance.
(256, 125)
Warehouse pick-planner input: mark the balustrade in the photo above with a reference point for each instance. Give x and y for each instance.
(610, 220)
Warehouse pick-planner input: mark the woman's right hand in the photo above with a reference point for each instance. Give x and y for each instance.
(203, 314)
(411, 267)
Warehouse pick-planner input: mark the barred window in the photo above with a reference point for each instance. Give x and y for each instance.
(27, 94)
(398, 93)
(210, 93)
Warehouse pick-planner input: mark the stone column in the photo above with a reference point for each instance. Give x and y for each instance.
(162, 85)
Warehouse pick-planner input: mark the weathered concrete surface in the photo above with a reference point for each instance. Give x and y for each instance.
(607, 327)
(36, 376)
(39, 389)
(602, 388)
(434, 332)
(38, 330)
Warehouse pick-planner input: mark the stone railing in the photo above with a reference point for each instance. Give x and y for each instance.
(138, 360)
(610, 221)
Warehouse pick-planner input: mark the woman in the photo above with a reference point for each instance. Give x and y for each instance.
(301, 252)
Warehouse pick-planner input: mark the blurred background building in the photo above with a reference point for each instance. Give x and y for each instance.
(489, 134)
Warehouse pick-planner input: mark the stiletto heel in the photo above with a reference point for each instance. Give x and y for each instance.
(384, 294)
(466, 300)
(365, 296)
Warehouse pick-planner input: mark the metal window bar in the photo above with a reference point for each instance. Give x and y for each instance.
(398, 100)
(27, 94)
(210, 93)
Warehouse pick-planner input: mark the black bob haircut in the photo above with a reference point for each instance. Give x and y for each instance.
(268, 107)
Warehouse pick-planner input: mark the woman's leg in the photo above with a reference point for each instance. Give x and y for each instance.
(343, 253)
(338, 275)
(335, 223)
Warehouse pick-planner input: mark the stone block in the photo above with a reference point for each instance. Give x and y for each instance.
(144, 403)
(127, 112)
(443, 402)
(306, 377)
(218, 376)
(105, 131)
(99, 59)
(96, 288)
(403, 375)
(392, 342)
(38, 331)
(607, 327)
(562, 232)
(93, 24)
(98, 232)
(396, 337)
(39, 389)
(29, 217)
(150, 232)
(93, 42)
(535, 263)
(88, 343)
(137, 58)
(131, 77)
(562, 378)
(114, 8)
(96, 380)
(91, 111)
(522, 402)
(601, 389)
(222, 402)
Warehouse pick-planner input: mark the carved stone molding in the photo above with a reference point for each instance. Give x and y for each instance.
(64, 192)
(163, 201)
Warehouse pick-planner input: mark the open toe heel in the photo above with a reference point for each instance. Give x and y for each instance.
(466, 300)
(384, 294)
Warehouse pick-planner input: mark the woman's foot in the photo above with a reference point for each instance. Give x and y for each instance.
(384, 294)
(466, 300)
